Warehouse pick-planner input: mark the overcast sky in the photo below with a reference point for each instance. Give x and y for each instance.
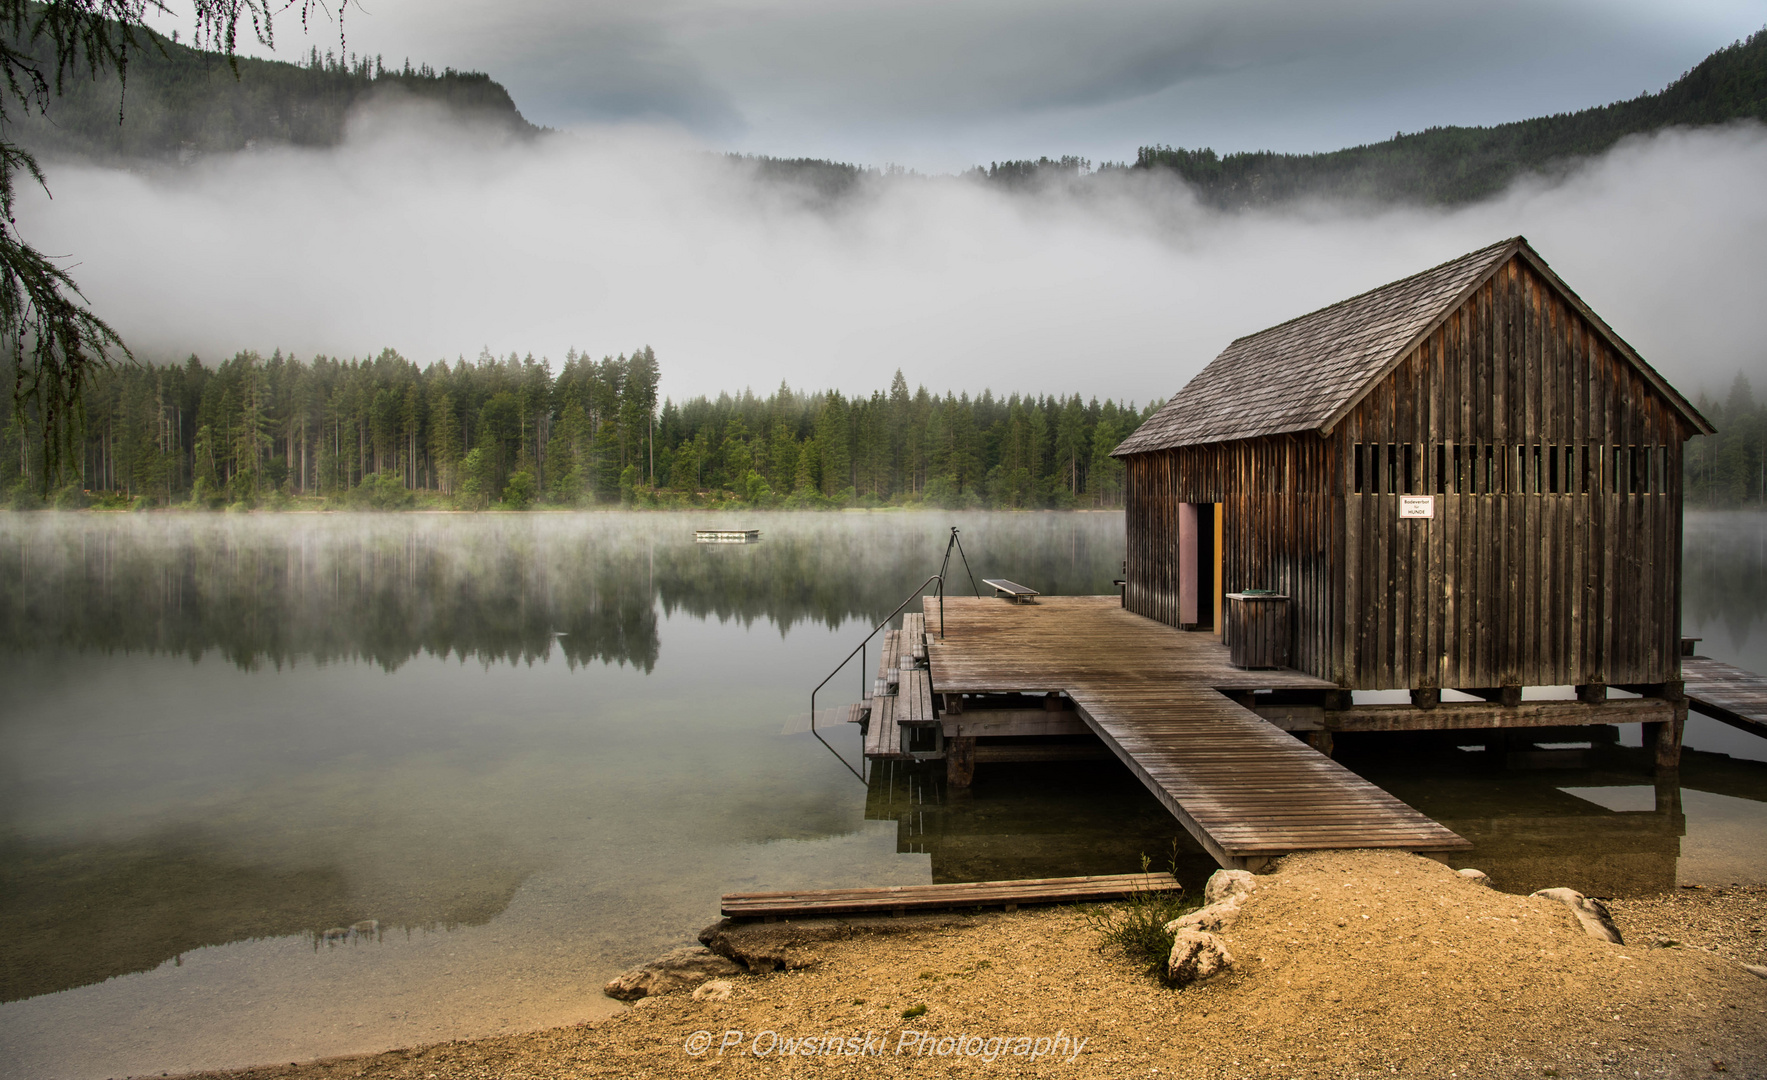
(939, 85)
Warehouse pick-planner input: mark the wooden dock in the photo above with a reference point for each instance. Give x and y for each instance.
(1727, 694)
(900, 899)
(1157, 698)
(992, 646)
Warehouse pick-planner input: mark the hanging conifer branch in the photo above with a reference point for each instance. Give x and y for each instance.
(55, 342)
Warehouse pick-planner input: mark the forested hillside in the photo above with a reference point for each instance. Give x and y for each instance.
(183, 102)
(508, 432)
(1462, 164)
(1437, 166)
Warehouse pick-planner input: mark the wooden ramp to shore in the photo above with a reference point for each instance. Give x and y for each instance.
(1728, 694)
(899, 899)
(1246, 790)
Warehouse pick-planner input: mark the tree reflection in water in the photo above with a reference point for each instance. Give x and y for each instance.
(386, 588)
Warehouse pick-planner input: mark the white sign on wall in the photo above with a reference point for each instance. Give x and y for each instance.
(1417, 506)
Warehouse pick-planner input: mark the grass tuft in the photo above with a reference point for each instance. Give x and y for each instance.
(1137, 926)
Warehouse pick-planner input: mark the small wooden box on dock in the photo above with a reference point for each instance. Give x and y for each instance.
(1257, 629)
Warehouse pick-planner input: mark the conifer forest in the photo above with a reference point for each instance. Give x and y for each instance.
(510, 433)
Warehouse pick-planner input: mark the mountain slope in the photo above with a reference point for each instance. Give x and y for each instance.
(181, 102)
(1462, 164)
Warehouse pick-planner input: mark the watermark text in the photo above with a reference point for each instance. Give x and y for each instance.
(907, 1042)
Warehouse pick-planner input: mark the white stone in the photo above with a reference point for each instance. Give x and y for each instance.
(1475, 875)
(1214, 918)
(678, 969)
(1224, 884)
(1197, 955)
(1591, 915)
(716, 990)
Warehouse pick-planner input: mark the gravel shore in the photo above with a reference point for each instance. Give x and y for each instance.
(1729, 920)
(1348, 964)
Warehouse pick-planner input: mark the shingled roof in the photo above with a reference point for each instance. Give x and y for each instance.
(1305, 374)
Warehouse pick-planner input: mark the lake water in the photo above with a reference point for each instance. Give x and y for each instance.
(278, 787)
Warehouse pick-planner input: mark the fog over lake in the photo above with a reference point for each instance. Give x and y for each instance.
(439, 240)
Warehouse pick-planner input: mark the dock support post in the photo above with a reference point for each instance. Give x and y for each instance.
(1668, 734)
(1665, 735)
(1321, 741)
(1509, 697)
(1592, 693)
(1426, 697)
(960, 760)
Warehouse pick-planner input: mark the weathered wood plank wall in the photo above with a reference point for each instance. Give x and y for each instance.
(1554, 553)
(1276, 526)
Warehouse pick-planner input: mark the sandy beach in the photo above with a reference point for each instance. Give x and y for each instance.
(1347, 964)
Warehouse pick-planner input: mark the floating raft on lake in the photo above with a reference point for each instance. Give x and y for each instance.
(726, 536)
(900, 899)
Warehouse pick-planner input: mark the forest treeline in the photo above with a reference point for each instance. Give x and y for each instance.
(182, 103)
(508, 432)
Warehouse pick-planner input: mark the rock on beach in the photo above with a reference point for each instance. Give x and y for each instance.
(678, 969)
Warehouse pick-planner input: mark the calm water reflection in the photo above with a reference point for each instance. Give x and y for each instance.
(521, 752)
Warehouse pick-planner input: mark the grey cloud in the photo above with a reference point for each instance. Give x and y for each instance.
(940, 63)
(624, 68)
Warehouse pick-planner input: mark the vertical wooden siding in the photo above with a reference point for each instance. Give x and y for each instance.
(1536, 569)
(1278, 511)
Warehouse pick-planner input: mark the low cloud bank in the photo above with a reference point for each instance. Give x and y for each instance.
(438, 241)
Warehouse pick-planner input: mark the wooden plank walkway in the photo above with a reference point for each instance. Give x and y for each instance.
(1246, 789)
(904, 898)
(1725, 693)
(1243, 788)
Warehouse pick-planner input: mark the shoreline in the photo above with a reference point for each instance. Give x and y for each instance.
(1354, 963)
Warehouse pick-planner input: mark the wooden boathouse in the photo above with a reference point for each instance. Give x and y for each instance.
(1463, 480)
(1462, 485)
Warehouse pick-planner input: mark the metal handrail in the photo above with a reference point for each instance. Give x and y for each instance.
(860, 652)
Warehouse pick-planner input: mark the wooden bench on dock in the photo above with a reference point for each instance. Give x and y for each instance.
(899, 899)
(1012, 590)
